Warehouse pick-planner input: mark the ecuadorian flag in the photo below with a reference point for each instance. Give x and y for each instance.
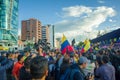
(86, 46)
(65, 45)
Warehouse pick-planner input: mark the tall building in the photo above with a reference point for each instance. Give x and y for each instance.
(9, 22)
(45, 33)
(31, 30)
(58, 43)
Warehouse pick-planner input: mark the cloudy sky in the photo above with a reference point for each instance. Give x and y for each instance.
(79, 19)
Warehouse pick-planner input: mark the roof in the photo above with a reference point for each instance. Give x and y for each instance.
(108, 36)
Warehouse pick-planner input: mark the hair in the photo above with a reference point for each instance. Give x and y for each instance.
(105, 59)
(101, 52)
(38, 67)
(19, 57)
(66, 60)
(99, 60)
(27, 62)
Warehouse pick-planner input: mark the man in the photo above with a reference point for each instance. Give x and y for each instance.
(9, 70)
(17, 67)
(39, 68)
(77, 70)
(104, 70)
(26, 53)
(24, 73)
(39, 50)
(4, 66)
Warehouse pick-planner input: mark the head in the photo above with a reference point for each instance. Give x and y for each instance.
(82, 62)
(39, 48)
(27, 53)
(20, 58)
(102, 60)
(105, 59)
(52, 54)
(39, 67)
(16, 54)
(66, 60)
(11, 56)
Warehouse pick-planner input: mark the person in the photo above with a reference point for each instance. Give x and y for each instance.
(57, 68)
(24, 73)
(17, 67)
(65, 65)
(39, 50)
(26, 53)
(75, 71)
(9, 70)
(104, 70)
(4, 66)
(51, 62)
(80, 66)
(39, 68)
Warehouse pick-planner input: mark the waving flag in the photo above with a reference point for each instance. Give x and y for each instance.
(65, 46)
(86, 46)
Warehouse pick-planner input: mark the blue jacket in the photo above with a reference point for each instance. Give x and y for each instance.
(78, 75)
(3, 69)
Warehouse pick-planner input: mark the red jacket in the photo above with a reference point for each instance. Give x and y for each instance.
(16, 69)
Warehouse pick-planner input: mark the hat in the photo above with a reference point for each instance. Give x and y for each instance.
(82, 59)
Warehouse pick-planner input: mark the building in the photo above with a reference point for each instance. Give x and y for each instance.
(45, 33)
(31, 30)
(108, 36)
(58, 43)
(9, 22)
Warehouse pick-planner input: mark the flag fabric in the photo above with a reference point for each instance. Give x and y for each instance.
(87, 45)
(65, 45)
(115, 39)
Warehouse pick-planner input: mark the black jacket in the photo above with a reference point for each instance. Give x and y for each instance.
(24, 75)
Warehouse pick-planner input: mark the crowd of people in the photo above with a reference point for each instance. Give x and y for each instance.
(102, 64)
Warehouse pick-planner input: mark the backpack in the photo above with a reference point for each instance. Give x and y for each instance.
(69, 74)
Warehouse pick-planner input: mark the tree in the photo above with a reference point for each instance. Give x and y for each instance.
(80, 44)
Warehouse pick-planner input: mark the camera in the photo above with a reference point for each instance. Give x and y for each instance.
(88, 76)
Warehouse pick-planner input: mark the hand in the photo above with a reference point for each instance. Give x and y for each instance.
(91, 77)
(34, 55)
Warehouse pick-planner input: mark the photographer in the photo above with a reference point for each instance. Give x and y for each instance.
(104, 71)
(77, 70)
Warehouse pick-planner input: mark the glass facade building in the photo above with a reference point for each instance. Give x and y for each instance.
(9, 21)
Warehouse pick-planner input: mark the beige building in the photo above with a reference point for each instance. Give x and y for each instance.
(31, 30)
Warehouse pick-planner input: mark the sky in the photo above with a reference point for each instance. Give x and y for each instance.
(79, 19)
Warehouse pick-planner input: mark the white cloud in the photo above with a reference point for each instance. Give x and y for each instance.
(110, 20)
(86, 25)
(100, 1)
(76, 11)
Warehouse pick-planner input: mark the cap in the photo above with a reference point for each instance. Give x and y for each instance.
(82, 59)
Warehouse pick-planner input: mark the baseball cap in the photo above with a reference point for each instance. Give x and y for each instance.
(82, 59)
